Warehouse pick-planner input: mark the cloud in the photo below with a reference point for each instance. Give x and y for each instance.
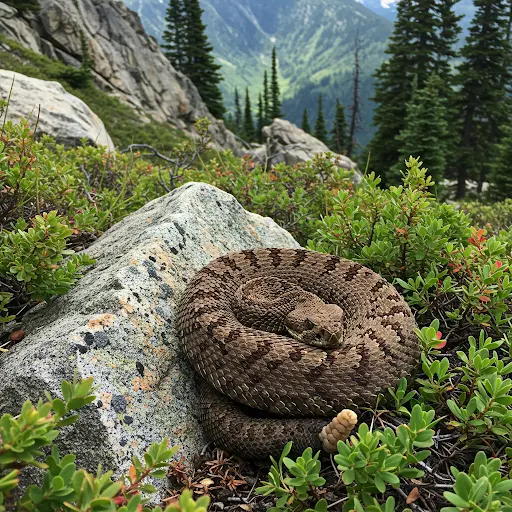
(387, 3)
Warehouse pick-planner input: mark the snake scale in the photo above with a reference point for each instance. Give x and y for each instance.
(261, 389)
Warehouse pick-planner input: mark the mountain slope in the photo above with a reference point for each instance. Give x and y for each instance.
(314, 40)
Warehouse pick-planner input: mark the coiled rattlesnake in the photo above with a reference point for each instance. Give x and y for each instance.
(361, 336)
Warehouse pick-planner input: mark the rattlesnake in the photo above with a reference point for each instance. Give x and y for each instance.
(269, 387)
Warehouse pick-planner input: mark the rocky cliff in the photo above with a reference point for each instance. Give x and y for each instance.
(126, 61)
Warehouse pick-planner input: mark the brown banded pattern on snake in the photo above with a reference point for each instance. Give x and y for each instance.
(286, 388)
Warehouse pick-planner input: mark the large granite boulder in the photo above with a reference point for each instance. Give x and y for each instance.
(116, 324)
(288, 143)
(63, 116)
(126, 62)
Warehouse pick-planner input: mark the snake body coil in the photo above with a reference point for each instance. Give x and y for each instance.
(266, 388)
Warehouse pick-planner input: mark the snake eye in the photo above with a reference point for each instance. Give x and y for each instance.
(309, 324)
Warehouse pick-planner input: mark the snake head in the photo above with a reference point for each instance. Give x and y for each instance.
(321, 327)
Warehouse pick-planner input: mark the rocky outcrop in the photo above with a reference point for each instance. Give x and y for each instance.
(126, 61)
(53, 110)
(116, 324)
(288, 143)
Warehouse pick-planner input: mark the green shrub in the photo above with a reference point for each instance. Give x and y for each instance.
(444, 268)
(493, 217)
(34, 257)
(295, 197)
(369, 462)
(482, 488)
(65, 487)
(292, 492)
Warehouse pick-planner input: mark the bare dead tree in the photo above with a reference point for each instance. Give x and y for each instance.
(355, 120)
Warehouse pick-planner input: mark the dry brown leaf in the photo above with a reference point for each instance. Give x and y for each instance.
(413, 496)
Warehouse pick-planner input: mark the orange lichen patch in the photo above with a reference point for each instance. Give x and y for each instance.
(178, 432)
(149, 220)
(97, 323)
(145, 383)
(106, 399)
(142, 325)
(211, 249)
(252, 230)
(161, 255)
(127, 307)
(133, 262)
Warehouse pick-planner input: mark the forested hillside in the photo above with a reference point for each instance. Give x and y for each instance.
(315, 43)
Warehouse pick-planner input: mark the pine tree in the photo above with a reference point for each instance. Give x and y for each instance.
(238, 112)
(305, 122)
(320, 130)
(448, 31)
(500, 180)
(421, 44)
(354, 118)
(261, 119)
(393, 89)
(86, 64)
(175, 34)
(248, 122)
(423, 26)
(339, 130)
(275, 107)
(266, 99)
(200, 65)
(483, 78)
(426, 129)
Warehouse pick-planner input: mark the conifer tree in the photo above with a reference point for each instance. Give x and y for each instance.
(200, 65)
(275, 108)
(393, 89)
(421, 44)
(248, 121)
(175, 34)
(449, 30)
(305, 122)
(482, 98)
(320, 130)
(500, 180)
(266, 99)
(426, 129)
(423, 26)
(261, 119)
(238, 112)
(355, 118)
(339, 130)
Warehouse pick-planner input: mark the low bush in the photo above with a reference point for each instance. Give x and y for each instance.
(64, 486)
(444, 267)
(53, 200)
(295, 197)
(451, 264)
(493, 218)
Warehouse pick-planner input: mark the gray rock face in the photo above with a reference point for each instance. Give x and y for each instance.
(63, 116)
(116, 324)
(288, 143)
(126, 61)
